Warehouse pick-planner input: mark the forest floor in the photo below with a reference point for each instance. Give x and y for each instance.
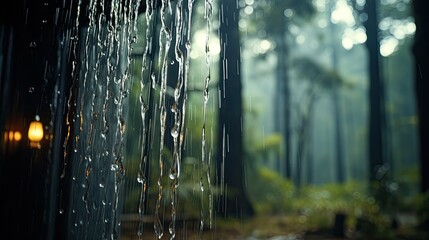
(275, 228)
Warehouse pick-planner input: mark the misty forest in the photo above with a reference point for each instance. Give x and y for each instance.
(214, 119)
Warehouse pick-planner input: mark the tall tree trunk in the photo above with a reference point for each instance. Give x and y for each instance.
(421, 56)
(233, 201)
(338, 138)
(376, 93)
(304, 138)
(310, 149)
(337, 108)
(282, 102)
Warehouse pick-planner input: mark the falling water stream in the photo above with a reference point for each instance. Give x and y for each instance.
(206, 165)
(100, 48)
(102, 38)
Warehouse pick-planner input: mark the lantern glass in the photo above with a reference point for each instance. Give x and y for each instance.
(35, 131)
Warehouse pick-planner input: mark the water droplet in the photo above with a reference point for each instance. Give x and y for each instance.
(174, 132)
(114, 167)
(153, 78)
(188, 45)
(173, 175)
(201, 185)
(61, 211)
(140, 179)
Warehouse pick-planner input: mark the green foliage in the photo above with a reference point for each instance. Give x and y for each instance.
(271, 194)
(334, 198)
(316, 206)
(259, 152)
(422, 204)
(385, 189)
(319, 204)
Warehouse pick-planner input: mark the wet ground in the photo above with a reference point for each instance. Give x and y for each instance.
(273, 228)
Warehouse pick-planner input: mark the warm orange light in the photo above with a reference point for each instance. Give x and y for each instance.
(35, 131)
(10, 136)
(17, 136)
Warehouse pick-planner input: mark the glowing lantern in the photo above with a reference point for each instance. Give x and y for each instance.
(35, 131)
(17, 136)
(11, 136)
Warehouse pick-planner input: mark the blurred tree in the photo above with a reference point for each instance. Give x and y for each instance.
(389, 27)
(319, 80)
(272, 19)
(380, 22)
(421, 56)
(339, 162)
(233, 201)
(376, 91)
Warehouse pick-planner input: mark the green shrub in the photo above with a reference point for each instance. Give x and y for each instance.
(320, 204)
(270, 193)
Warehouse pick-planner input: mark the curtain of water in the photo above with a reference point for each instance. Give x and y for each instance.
(95, 43)
(91, 78)
(175, 29)
(174, 47)
(102, 37)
